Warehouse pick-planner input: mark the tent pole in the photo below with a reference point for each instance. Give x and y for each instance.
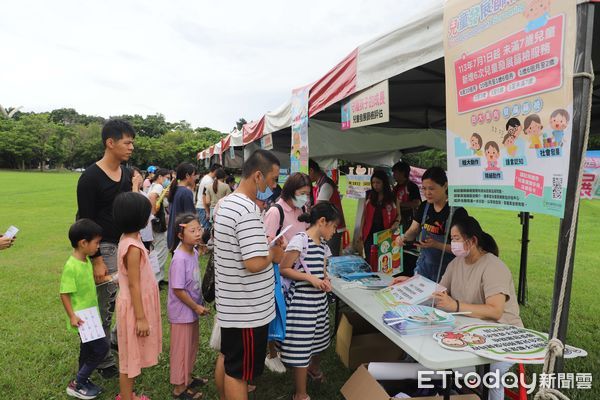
(581, 91)
(522, 292)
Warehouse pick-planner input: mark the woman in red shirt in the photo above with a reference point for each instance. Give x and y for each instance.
(380, 210)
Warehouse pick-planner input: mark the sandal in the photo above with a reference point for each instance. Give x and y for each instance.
(198, 381)
(295, 398)
(142, 397)
(316, 376)
(188, 394)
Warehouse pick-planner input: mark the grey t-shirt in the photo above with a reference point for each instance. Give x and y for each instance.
(473, 283)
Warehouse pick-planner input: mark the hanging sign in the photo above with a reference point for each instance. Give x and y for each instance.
(509, 102)
(266, 142)
(368, 107)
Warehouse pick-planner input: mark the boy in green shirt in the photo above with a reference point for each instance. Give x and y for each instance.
(78, 292)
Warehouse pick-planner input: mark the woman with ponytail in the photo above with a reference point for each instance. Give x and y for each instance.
(217, 190)
(478, 282)
(181, 197)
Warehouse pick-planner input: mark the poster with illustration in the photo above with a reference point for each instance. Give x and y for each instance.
(389, 251)
(502, 343)
(299, 151)
(509, 102)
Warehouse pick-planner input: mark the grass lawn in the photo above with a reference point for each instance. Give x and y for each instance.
(39, 356)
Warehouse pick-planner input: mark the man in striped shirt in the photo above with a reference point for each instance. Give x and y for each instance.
(244, 281)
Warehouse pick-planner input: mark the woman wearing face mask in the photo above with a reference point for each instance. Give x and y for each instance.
(158, 197)
(295, 195)
(431, 224)
(380, 210)
(478, 282)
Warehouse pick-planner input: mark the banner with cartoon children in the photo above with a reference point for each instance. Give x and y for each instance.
(509, 102)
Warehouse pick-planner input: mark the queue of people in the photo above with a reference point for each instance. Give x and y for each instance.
(123, 233)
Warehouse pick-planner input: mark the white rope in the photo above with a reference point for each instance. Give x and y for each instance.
(555, 346)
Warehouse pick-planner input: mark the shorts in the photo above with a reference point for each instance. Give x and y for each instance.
(245, 350)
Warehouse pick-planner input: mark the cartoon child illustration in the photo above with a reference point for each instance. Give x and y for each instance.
(476, 143)
(509, 143)
(296, 142)
(385, 264)
(533, 129)
(473, 338)
(453, 340)
(513, 126)
(559, 120)
(537, 13)
(492, 153)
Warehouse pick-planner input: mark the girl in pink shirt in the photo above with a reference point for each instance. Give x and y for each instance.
(138, 301)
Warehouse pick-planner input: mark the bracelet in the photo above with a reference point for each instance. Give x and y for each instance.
(457, 306)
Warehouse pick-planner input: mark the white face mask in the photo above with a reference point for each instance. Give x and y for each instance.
(458, 249)
(300, 200)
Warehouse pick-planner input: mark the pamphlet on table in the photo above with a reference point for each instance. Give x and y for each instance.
(414, 290)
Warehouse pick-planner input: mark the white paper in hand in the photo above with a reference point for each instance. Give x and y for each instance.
(11, 232)
(283, 231)
(91, 329)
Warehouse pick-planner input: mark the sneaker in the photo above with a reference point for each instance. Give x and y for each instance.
(274, 364)
(85, 392)
(109, 372)
(92, 385)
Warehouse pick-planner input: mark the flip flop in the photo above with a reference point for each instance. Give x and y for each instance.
(188, 394)
(316, 377)
(198, 381)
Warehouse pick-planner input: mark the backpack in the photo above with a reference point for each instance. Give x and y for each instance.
(300, 263)
(208, 280)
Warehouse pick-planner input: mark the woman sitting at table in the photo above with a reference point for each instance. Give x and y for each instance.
(477, 281)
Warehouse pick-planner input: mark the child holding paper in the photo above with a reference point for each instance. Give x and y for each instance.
(184, 305)
(307, 322)
(78, 292)
(138, 301)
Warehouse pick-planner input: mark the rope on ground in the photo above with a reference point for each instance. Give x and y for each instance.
(555, 346)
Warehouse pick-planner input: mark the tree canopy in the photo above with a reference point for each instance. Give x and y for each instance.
(65, 138)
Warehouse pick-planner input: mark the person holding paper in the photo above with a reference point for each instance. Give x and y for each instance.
(380, 211)
(78, 292)
(431, 224)
(6, 242)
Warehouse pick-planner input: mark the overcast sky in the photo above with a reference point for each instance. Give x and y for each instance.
(206, 62)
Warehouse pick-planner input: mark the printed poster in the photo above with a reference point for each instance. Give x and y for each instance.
(357, 186)
(509, 102)
(502, 343)
(266, 142)
(299, 151)
(389, 251)
(368, 107)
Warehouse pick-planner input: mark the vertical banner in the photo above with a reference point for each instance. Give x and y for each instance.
(299, 151)
(232, 152)
(509, 102)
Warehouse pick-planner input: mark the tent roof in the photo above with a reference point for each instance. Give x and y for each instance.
(411, 57)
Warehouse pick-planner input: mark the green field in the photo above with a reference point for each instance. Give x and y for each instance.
(39, 356)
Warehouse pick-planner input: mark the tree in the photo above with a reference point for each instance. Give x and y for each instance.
(239, 124)
(10, 112)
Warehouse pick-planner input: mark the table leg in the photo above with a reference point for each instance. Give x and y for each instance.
(337, 316)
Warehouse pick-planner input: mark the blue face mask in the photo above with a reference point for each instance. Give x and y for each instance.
(264, 195)
(166, 183)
